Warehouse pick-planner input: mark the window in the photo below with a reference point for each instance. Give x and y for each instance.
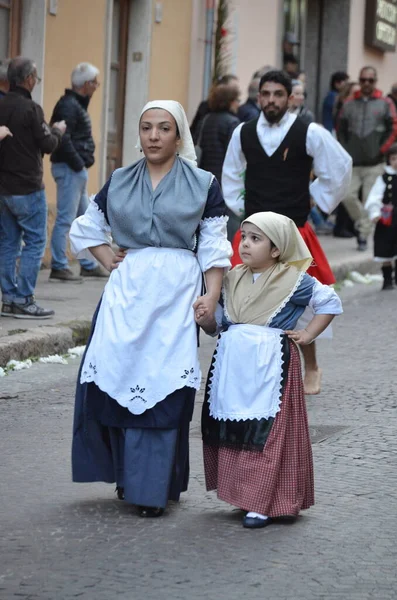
(10, 28)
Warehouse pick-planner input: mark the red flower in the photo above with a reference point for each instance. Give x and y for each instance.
(224, 32)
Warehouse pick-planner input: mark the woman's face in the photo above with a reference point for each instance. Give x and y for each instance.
(297, 97)
(158, 135)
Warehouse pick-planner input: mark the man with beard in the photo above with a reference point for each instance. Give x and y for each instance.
(268, 166)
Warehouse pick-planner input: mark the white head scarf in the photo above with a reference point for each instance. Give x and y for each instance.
(186, 148)
(257, 302)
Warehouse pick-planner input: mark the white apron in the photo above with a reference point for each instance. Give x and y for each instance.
(144, 345)
(246, 379)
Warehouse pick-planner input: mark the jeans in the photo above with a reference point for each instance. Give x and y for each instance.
(72, 202)
(22, 218)
(362, 177)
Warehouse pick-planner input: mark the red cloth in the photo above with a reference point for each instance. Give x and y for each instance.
(278, 481)
(319, 268)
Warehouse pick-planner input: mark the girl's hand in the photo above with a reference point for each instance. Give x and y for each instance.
(117, 259)
(206, 304)
(206, 321)
(375, 219)
(300, 336)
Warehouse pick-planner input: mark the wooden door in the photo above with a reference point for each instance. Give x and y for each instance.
(10, 28)
(117, 77)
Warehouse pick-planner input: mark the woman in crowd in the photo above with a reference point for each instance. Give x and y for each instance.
(257, 451)
(216, 130)
(140, 372)
(297, 103)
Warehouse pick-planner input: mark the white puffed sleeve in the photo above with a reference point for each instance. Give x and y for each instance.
(89, 230)
(214, 249)
(324, 300)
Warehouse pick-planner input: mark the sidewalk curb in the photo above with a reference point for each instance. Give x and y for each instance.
(57, 339)
(42, 341)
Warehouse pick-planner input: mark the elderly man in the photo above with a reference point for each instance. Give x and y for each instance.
(23, 207)
(70, 162)
(367, 127)
(250, 109)
(4, 85)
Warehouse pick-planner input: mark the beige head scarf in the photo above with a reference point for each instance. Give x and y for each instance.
(257, 302)
(186, 149)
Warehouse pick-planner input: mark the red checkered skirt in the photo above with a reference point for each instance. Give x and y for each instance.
(319, 268)
(279, 480)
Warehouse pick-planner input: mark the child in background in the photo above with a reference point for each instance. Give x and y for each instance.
(381, 205)
(257, 450)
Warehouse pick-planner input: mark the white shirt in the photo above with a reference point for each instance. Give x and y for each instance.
(331, 163)
(374, 201)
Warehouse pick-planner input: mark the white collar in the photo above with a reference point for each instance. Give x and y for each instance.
(389, 170)
(288, 117)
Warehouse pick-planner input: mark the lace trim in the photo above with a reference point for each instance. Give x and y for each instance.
(263, 415)
(222, 219)
(287, 299)
(136, 394)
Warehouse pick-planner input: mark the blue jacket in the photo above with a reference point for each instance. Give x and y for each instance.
(328, 106)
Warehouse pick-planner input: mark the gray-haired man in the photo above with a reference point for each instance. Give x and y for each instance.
(70, 162)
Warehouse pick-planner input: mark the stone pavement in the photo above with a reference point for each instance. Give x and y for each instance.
(61, 541)
(74, 304)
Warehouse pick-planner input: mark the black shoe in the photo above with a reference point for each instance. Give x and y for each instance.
(64, 275)
(256, 522)
(6, 309)
(388, 285)
(361, 244)
(97, 272)
(150, 512)
(120, 492)
(31, 310)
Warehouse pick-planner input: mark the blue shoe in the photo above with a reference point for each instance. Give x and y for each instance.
(256, 522)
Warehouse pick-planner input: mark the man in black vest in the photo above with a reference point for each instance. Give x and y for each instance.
(268, 166)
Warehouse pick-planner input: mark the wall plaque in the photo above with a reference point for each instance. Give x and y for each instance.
(381, 25)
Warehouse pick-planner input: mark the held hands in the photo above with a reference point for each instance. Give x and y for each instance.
(204, 311)
(300, 336)
(375, 219)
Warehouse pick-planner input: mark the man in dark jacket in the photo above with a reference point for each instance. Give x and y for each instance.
(23, 206)
(367, 127)
(70, 162)
(250, 109)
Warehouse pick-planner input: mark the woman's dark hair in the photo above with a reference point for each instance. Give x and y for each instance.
(226, 79)
(277, 77)
(221, 97)
(392, 151)
(337, 77)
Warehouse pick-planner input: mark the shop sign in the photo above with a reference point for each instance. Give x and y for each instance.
(381, 24)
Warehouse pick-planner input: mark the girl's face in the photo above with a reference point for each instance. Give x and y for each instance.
(158, 135)
(393, 161)
(256, 249)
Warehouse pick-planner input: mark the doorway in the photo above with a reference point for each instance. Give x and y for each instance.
(117, 80)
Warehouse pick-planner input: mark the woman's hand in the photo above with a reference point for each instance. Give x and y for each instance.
(300, 336)
(117, 259)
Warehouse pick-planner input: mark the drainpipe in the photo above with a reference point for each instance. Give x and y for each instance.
(209, 20)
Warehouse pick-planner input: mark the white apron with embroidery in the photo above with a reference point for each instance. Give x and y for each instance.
(144, 345)
(246, 380)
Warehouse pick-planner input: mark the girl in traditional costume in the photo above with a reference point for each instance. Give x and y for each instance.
(140, 372)
(381, 205)
(257, 451)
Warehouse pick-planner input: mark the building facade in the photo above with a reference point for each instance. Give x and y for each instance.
(147, 49)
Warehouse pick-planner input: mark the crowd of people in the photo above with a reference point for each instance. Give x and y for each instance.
(236, 189)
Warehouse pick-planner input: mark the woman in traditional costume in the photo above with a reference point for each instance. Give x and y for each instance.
(140, 372)
(257, 451)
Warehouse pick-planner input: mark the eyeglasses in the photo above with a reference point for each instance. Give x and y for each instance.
(94, 82)
(367, 80)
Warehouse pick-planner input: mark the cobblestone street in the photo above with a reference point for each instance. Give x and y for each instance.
(61, 540)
